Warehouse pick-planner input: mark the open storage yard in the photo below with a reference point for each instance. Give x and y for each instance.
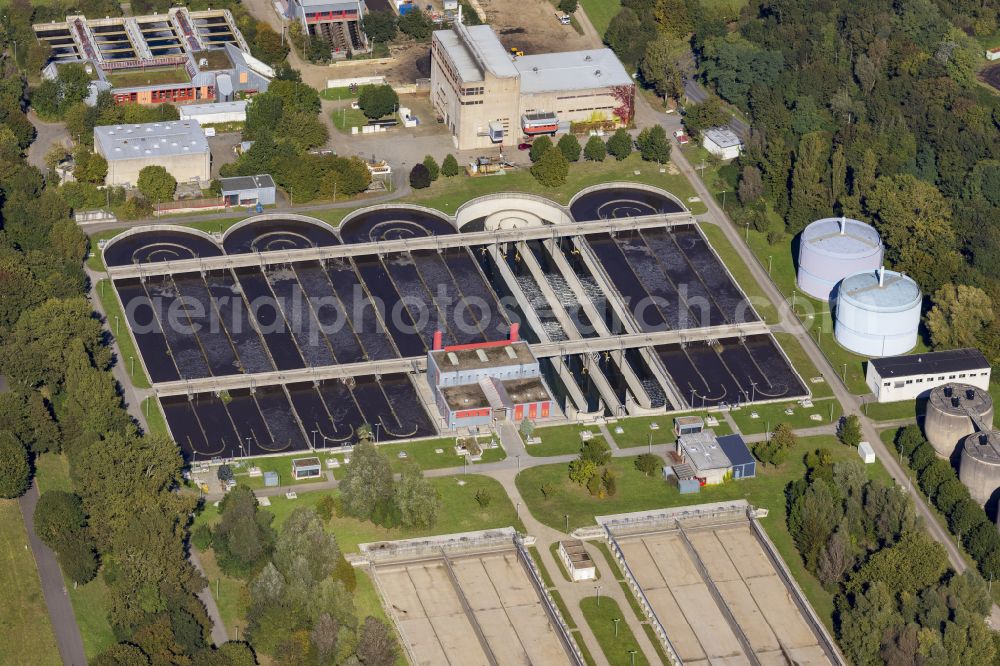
(719, 597)
(468, 609)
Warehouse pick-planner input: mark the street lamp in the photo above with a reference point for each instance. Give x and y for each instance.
(518, 457)
(566, 516)
(631, 654)
(598, 588)
(314, 439)
(377, 426)
(616, 620)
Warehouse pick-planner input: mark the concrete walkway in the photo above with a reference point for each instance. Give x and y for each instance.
(57, 601)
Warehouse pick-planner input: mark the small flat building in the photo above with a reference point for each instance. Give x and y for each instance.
(248, 190)
(211, 114)
(687, 425)
(306, 468)
(741, 461)
(895, 378)
(577, 560)
(712, 460)
(722, 142)
(866, 452)
(180, 146)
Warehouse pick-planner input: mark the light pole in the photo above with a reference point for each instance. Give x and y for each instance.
(116, 326)
(314, 439)
(650, 442)
(518, 457)
(517, 510)
(845, 373)
(768, 264)
(131, 361)
(631, 655)
(598, 588)
(616, 620)
(567, 522)
(377, 426)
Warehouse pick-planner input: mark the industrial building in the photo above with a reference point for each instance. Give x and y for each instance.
(489, 97)
(181, 57)
(832, 248)
(213, 114)
(475, 384)
(248, 190)
(896, 378)
(577, 560)
(954, 411)
(336, 22)
(711, 459)
(178, 146)
(878, 313)
(722, 142)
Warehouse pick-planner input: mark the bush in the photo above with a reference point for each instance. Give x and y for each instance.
(325, 507)
(225, 473)
(201, 537)
(552, 169)
(420, 178)
(570, 147)
(156, 183)
(483, 497)
(595, 150)
(620, 144)
(345, 573)
(649, 464)
(610, 480)
(432, 167)
(597, 451)
(539, 147)
(653, 144)
(15, 469)
(568, 6)
(449, 167)
(849, 430)
(135, 208)
(416, 24)
(377, 101)
(595, 486)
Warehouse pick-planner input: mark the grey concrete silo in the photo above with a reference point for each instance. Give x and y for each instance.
(947, 419)
(979, 469)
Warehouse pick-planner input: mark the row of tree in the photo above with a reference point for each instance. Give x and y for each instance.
(369, 492)
(896, 600)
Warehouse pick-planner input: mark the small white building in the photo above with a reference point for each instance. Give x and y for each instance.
(577, 561)
(866, 452)
(993, 54)
(895, 378)
(211, 114)
(722, 142)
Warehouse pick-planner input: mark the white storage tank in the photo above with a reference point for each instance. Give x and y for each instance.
(878, 312)
(833, 248)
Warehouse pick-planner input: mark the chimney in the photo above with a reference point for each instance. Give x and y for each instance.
(955, 400)
(970, 394)
(515, 332)
(843, 225)
(881, 276)
(947, 391)
(437, 341)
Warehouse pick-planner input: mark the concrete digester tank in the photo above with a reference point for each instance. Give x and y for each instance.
(832, 248)
(955, 411)
(877, 313)
(979, 469)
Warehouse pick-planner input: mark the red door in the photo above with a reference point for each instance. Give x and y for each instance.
(532, 411)
(545, 409)
(519, 412)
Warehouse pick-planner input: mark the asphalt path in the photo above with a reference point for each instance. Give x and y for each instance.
(53, 587)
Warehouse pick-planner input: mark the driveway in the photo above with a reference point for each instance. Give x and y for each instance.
(48, 135)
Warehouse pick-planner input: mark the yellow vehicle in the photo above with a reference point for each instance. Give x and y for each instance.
(516, 51)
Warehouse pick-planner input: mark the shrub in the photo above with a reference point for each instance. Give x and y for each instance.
(552, 169)
(849, 430)
(569, 146)
(620, 144)
(483, 497)
(345, 573)
(225, 473)
(595, 486)
(449, 167)
(156, 183)
(653, 144)
(595, 150)
(325, 507)
(546, 489)
(201, 537)
(15, 470)
(649, 464)
(432, 167)
(610, 480)
(420, 178)
(539, 147)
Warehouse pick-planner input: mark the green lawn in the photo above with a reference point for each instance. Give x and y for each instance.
(334, 94)
(230, 594)
(459, 513)
(148, 77)
(559, 440)
(637, 429)
(587, 657)
(345, 118)
(891, 411)
(600, 13)
(806, 368)
(26, 632)
(741, 272)
(637, 492)
(770, 415)
(601, 614)
(154, 417)
(116, 321)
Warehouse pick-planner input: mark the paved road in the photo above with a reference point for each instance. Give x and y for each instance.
(697, 94)
(47, 135)
(53, 587)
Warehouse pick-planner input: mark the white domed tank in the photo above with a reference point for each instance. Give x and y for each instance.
(833, 248)
(878, 313)
(980, 466)
(947, 420)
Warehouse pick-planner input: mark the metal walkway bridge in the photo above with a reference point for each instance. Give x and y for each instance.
(416, 364)
(203, 264)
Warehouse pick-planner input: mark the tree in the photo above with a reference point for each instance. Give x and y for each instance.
(660, 65)
(849, 430)
(811, 520)
(449, 167)
(708, 114)
(751, 186)
(959, 315)
(653, 144)
(915, 222)
(15, 469)
(416, 499)
(864, 619)
(569, 146)
(156, 183)
(834, 560)
(432, 167)
(908, 439)
(912, 564)
(649, 464)
(552, 169)
(367, 483)
(377, 101)
(416, 24)
(810, 196)
(568, 6)
(376, 646)
(267, 45)
(595, 151)
(243, 538)
(420, 178)
(597, 451)
(78, 560)
(58, 517)
(539, 147)
(784, 436)
(121, 654)
(620, 144)
(225, 473)
(483, 497)
(581, 471)
(627, 36)
(380, 26)
(89, 166)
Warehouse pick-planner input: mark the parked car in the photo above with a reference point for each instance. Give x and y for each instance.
(524, 146)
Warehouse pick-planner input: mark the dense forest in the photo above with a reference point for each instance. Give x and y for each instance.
(869, 109)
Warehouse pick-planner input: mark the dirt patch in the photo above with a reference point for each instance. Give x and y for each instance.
(531, 26)
(991, 76)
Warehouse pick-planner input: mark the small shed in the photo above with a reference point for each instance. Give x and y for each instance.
(577, 560)
(687, 425)
(743, 464)
(306, 468)
(270, 479)
(722, 142)
(866, 452)
(248, 190)
(993, 54)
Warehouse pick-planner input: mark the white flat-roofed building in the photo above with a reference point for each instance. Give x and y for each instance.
(722, 142)
(488, 97)
(220, 112)
(895, 378)
(179, 146)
